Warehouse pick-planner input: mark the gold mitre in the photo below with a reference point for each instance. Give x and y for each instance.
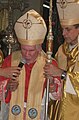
(68, 12)
(30, 28)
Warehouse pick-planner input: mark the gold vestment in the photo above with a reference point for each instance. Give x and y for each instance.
(35, 89)
(68, 107)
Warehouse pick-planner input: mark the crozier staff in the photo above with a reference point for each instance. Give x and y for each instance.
(68, 62)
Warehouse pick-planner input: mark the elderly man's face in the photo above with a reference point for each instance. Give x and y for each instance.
(30, 53)
(70, 34)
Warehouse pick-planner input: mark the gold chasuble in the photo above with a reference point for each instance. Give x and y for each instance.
(68, 107)
(35, 90)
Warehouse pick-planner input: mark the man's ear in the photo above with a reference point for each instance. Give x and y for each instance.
(78, 30)
(39, 47)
